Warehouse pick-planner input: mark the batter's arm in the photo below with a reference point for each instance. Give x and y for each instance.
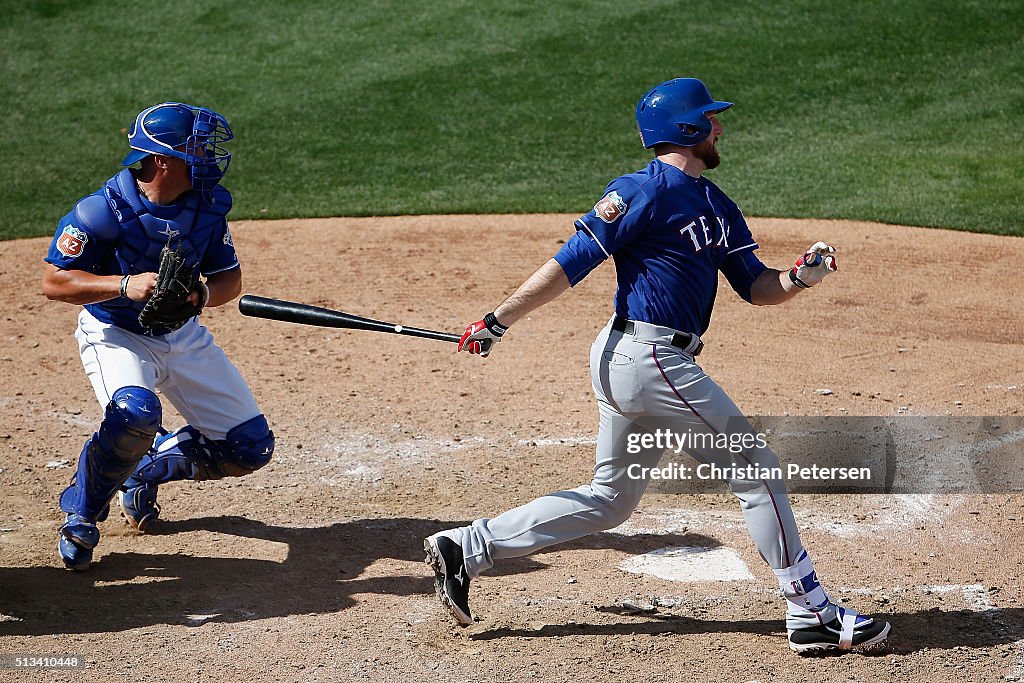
(772, 287)
(540, 288)
(81, 287)
(778, 286)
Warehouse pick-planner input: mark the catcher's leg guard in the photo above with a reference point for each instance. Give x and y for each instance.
(187, 454)
(131, 421)
(246, 448)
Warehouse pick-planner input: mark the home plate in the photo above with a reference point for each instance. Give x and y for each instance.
(690, 563)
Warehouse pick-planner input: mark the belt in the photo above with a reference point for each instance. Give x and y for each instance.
(682, 340)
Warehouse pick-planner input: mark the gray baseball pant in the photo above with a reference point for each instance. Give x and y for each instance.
(643, 383)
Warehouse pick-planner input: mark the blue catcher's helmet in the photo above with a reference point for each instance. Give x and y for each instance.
(164, 128)
(676, 111)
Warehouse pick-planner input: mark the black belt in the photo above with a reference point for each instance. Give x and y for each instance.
(679, 339)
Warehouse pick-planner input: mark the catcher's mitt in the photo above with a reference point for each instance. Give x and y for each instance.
(167, 307)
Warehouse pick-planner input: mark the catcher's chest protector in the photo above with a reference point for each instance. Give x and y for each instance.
(143, 234)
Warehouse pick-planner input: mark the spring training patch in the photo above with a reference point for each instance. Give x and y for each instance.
(72, 242)
(610, 207)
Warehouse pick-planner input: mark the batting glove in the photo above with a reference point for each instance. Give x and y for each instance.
(813, 266)
(482, 335)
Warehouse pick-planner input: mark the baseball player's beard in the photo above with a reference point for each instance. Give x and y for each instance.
(708, 153)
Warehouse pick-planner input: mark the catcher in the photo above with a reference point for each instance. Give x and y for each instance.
(133, 254)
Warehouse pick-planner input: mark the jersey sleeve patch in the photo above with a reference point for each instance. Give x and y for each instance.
(611, 207)
(71, 242)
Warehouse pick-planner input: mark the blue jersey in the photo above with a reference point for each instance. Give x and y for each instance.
(117, 231)
(669, 234)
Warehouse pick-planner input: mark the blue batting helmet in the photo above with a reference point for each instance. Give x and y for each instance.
(676, 111)
(163, 128)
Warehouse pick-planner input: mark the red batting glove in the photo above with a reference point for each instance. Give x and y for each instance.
(813, 266)
(482, 335)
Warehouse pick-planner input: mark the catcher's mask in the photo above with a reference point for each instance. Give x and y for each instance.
(676, 111)
(165, 127)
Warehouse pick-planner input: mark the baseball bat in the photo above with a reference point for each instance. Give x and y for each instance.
(292, 312)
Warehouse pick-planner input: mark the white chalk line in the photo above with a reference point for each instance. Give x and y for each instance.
(904, 511)
(697, 564)
(701, 564)
(977, 596)
(364, 457)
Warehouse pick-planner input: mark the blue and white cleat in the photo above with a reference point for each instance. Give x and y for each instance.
(815, 624)
(849, 629)
(78, 536)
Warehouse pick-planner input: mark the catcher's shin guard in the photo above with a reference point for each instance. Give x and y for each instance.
(188, 454)
(247, 447)
(130, 422)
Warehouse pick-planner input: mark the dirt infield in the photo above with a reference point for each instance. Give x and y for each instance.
(311, 569)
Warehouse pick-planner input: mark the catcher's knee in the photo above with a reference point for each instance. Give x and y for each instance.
(246, 448)
(130, 422)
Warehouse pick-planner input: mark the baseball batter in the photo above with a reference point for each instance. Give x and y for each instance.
(670, 231)
(105, 255)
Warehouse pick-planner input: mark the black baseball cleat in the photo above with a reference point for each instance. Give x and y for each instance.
(847, 631)
(450, 579)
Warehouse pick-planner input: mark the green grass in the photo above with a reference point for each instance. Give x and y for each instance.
(909, 112)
